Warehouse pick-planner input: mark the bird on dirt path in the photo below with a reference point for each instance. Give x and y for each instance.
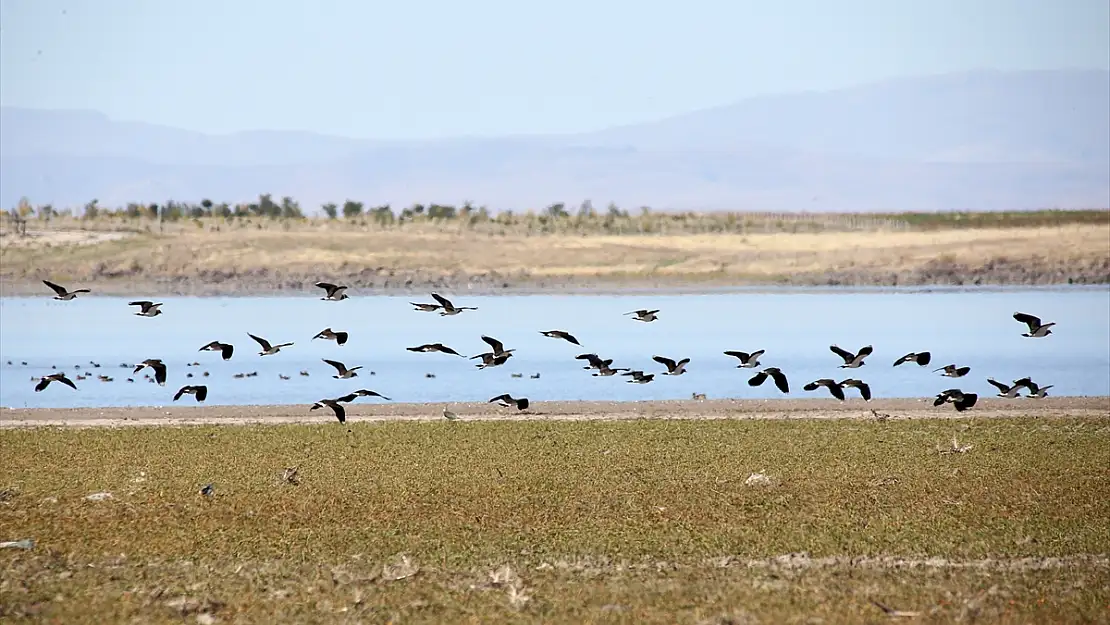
(747, 361)
(267, 348)
(832, 385)
(961, 400)
(62, 293)
(644, 315)
(448, 307)
(673, 368)
(775, 374)
(450, 416)
(343, 373)
(559, 334)
(952, 371)
(45, 381)
(435, 347)
(225, 349)
(339, 337)
(851, 361)
(340, 412)
(508, 401)
(146, 308)
(199, 392)
(158, 366)
(919, 358)
(859, 385)
(1036, 328)
(334, 292)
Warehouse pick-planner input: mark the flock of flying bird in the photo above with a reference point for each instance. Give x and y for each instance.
(498, 355)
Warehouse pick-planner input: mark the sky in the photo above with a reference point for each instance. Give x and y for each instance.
(443, 68)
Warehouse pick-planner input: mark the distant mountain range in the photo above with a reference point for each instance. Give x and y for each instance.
(980, 140)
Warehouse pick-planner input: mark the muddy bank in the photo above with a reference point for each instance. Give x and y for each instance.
(263, 281)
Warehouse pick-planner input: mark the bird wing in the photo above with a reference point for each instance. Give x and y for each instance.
(143, 303)
(447, 350)
(666, 362)
(340, 367)
(781, 381)
(505, 398)
(159, 371)
(497, 346)
(594, 359)
(181, 391)
(864, 390)
(340, 412)
(846, 355)
(757, 379)
(350, 397)
(327, 286)
(211, 346)
(64, 380)
(202, 392)
(836, 391)
(446, 303)
(906, 358)
(1030, 320)
(261, 341)
(865, 351)
(1027, 383)
(341, 337)
(1000, 386)
(60, 290)
(226, 350)
(570, 338)
(741, 355)
(923, 358)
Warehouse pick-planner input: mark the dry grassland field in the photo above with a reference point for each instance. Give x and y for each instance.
(708, 512)
(258, 255)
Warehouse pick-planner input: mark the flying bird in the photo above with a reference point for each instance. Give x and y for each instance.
(435, 347)
(62, 293)
(952, 371)
(158, 366)
(1041, 392)
(267, 349)
(340, 412)
(343, 372)
(339, 337)
(147, 308)
(199, 392)
(334, 293)
(961, 400)
(776, 374)
(639, 377)
(448, 307)
(832, 385)
(1009, 392)
(489, 359)
(225, 349)
(559, 334)
(644, 315)
(595, 361)
(363, 393)
(508, 401)
(747, 361)
(919, 358)
(1036, 328)
(851, 361)
(605, 371)
(54, 377)
(860, 385)
(673, 368)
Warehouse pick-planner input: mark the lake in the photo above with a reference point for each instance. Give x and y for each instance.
(962, 326)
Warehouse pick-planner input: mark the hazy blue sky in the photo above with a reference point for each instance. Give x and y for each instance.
(435, 68)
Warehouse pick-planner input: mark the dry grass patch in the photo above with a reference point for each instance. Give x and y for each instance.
(641, 521)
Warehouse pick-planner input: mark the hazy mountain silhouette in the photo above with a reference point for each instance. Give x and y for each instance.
(976, 140)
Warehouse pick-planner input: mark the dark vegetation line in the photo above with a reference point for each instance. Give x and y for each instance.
(554, 218)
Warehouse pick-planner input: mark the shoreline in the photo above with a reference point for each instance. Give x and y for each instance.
(32, 289)
(684, 409)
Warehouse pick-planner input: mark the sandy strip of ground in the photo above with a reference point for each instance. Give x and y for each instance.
(922, 408)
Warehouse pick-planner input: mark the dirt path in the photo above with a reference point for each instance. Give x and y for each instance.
(177, 415)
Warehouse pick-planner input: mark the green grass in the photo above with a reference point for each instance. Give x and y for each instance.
(639, 522)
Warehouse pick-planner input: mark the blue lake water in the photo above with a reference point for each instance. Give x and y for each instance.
(796, 327)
